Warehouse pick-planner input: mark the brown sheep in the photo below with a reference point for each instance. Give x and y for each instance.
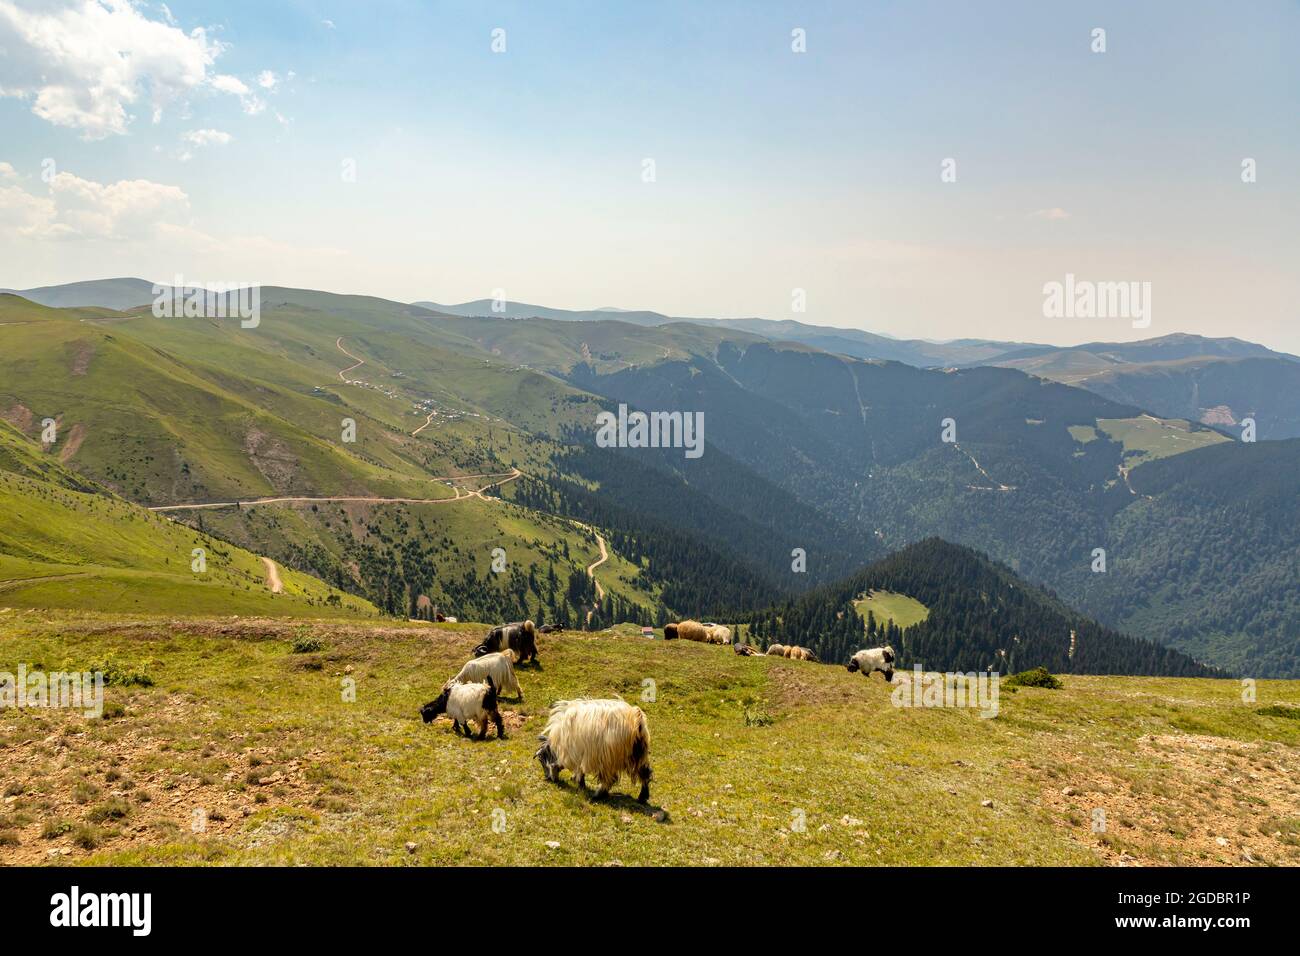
(695, 631)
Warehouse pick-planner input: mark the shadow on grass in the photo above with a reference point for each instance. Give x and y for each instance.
(614, 801)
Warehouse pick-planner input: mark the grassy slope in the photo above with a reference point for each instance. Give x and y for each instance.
(474, 526)
(172, 410)
(162, 410)
(160, 430)
(1147, 438)
(888, 606)
(1176, 764)
(61, 547)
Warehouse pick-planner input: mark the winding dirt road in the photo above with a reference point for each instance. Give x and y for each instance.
(427, 422)
(505, 476)
(338, 343)
(273, 577)
(591, 568)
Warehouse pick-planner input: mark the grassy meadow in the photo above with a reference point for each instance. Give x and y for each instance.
(889, 606)
(242, 751)
(1147, 439)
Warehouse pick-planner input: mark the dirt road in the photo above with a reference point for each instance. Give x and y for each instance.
(273, 577)
(591, 568)
(505, 476)
(338, 343)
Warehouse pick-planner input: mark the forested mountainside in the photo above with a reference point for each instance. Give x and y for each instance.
(1039, 476)
(981, 616)
(1212, 548)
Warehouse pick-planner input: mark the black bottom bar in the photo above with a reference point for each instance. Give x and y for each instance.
(335, 905)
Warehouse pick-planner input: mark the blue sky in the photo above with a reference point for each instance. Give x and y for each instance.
(774, 170)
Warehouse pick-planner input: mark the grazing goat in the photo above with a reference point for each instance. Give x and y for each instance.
(746, 650)
(776, 650)
(520, 637)
(873, 659)
(604, 738)
(466, 702)
(550, 629)
(498, 666)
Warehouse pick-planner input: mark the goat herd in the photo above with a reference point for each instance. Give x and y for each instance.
(601, 738)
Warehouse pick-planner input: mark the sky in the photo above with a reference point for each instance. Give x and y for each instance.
(680, 157)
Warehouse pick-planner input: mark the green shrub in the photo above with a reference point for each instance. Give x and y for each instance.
(304, 642)
(1038, 677)
(116, 673)
(87, 837)
(114, 809)
(55, 828)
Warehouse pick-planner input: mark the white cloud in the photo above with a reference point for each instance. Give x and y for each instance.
(267, 80)
(1055, 214)
(329, 24)
(252, 103)
(83, 63)
(206, 137)
(7, 173)
(77, 208)
(229, 84)
(23, 214)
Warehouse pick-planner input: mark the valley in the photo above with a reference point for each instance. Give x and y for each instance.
(333, 437)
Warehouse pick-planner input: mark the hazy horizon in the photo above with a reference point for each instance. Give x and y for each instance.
(615, 311)
(418, 154)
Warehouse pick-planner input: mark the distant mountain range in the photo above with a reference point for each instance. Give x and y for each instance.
(1214, 381)
(809, 450)
(854, 342)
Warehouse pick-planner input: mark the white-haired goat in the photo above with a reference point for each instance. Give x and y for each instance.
(499, 666)
(466, 702)
(873, 659)
(604, 738)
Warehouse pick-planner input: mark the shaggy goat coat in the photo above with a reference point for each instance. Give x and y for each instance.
(500, 667)
(520, 637)
(604, 738)
(466, 702)
(776, 650)
(873, 659)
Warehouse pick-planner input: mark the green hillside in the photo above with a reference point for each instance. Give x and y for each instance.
(756, 760)
(393, 553)
(976, 615)
(69, 548)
